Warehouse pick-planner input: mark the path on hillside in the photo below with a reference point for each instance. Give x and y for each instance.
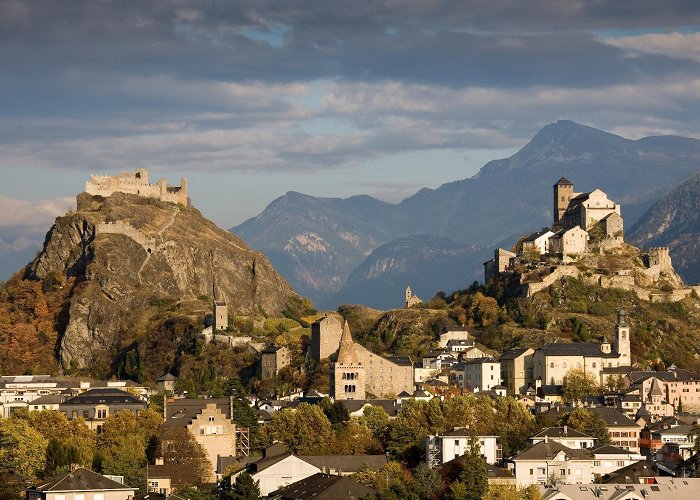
(173, 216)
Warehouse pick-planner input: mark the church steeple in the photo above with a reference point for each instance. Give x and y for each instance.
(347, 355)
(622, 338)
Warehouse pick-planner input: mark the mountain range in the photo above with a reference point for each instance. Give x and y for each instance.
(325, 247)
(674, 221)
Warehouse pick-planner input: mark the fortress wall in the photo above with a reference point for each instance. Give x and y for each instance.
(121, 227)
(137, 183)
(558, 273)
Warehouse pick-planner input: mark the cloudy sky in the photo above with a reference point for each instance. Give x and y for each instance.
(250, 99)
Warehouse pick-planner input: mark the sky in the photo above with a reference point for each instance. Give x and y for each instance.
(251, 99)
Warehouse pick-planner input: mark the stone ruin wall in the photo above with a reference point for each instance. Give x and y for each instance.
(136, 182)
(121, 227)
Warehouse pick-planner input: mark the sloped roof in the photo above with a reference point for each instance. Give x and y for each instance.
(110, 396)
(323, 486)
(560, 432)
(609, 449)
(346, 463)
(180, 412)
(613, 418)
(537, 234)
(400, 360)
(168, 377)
(586, 349)
(549, 450)
(630, 474)
(564, 181)
(513, 353)
(80, 480)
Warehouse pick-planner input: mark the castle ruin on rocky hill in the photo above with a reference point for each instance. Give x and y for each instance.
(136, 182)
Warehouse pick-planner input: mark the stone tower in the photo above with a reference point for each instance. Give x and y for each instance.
(348, 377)
(325, 337)
(563, 192)
(622, 338)
(220, 315)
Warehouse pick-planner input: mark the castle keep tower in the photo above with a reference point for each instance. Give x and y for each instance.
(348, 377)
(622, 338)
(220, 315)
(563, 192)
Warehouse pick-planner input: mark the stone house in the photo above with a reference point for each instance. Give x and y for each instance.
(566, 242)
(452, 333)
(411, 300)
(80, 484)
(220, 316)
(623, 431)
(209, 421)
(570, 438)
(273, 359)
(96, 405)
(325, 337)
(516, 369)
(499, 264)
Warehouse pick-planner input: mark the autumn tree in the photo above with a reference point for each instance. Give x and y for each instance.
(588, 422)
(181, 448)
(305, 431)
(484, 310)
(578, 384)
(473, 481)
(22, 449)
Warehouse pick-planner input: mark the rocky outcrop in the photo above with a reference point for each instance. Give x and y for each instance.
(128, 252)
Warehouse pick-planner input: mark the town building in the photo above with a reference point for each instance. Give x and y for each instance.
(548, 462)
(538, 242)
(80, 483)
(516, 369)
(209, 421)
(442, 448)
(482, 374)
(571, 438)
(95, 405)
(220, 316)
(623, 431)
(452, 333)
(323, 487)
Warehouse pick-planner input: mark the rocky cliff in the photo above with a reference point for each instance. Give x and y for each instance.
(128, 253)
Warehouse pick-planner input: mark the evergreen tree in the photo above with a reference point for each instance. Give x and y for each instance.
(243, 414)
(245, 488)
(473, 481)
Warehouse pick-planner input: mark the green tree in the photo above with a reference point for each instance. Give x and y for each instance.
(305, 431)
(587, 422)
(474, 475)
(578, 384)
(22, 449)
(244, 488)
(243, 414)
(126, 456)
(428, 482)
(514, 423)
(337, 412)
(194, 493)
(376, 419)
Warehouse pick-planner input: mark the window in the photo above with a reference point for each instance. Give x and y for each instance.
(86, 414)
(102, 413)
(456, 442)
(211, 419)
(551, 365)
(594, 364)
(532, 471)
(564, 365)
(562, 472)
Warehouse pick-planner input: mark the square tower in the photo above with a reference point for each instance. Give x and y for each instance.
(220, 315)
(348, 379)
(563, 192)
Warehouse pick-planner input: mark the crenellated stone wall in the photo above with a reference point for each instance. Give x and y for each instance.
(136, 182)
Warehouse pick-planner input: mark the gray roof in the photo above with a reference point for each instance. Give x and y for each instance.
(49, 399)
(609, 449)
(346, 463)
(613, 418)
(323, 486)
(167, 378)
(513, 353)
(586, 349)
(389, 405)
(631, 474)
(400, 360)
(80, 480)
(107, 396)
(474, 361)
(564, 180)
(548, 450)
(181, 412)
(536, 235)
(559, 432)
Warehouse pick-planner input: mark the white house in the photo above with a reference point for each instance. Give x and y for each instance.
(442, 448)
(567, 436)
(538, 240)
(610, 458)
(549, 461)
(276, 470)
(482, 374)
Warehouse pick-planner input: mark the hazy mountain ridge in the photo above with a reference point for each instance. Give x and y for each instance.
(506, 199)
(674, 221)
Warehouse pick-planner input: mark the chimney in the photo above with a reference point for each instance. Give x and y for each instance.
(566, 430)
(546, 439)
